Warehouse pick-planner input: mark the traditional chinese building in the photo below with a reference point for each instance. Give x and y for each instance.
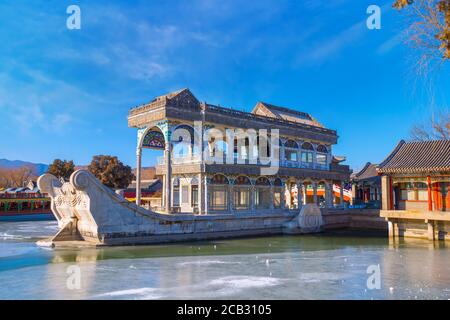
(415, 184)
(366, 187)
(192, 183)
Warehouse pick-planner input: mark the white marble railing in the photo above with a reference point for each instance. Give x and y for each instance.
(306, 165)
(195, 158)
(181, 160)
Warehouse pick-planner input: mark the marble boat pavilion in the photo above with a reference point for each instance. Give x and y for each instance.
(307, 168)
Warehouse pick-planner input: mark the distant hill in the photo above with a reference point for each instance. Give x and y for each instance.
(38, 168)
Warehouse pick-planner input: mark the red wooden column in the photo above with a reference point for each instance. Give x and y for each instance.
(391, 194)
(430, 199)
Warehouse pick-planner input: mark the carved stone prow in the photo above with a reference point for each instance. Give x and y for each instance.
(49, 184)
(88, 211)
(66, 204)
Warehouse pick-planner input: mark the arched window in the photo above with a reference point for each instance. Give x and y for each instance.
(322, 148)
(277, 182)
(241, 193)
(262, 194)
(277, 193)
(218, 193)
(183, 141)
(309, 192)
(290, 150)
(322, 153)
(216, 144)
(219, 179)
(242, 180)
(194, 193)
(291, 194)
(154, 139)
(291, 144)
(321, 194)
(176, 192)
(307, 153)
(262, 181)
(307, 146)
(241, 148)
(261, 142)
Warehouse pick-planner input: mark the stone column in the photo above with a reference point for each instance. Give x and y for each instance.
(282, 200)
(201, 203)
(287, 195)
(394, 231)
(391, 228)
(430, 229)
(230, 198)
(304, 192)
(314, 163)
(341, 195)
(329, 194)
(314, 191)
(138, 175)
(354, 191)
(203, 196)
(271, 206)
(168, 186)
(299, 194)
(252, 198)
(205, 192)
(282, 155)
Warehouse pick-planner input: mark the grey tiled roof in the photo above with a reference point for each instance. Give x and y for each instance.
(288, 114)
(369, 171)
(419, 156)
(152, 185)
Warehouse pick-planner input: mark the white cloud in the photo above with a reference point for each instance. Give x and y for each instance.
(390, 44)
(42, 103)
(330, 47)
(61, 121)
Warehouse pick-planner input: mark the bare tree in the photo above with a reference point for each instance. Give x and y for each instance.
(16, 177)
(436, 129)
(4, 178)
(428, 32)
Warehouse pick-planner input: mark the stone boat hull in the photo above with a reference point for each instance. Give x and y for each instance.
(89, 213)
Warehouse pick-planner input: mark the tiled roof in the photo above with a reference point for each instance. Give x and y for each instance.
(420, 156)
(147, 173)
(369, 171)
(184, 97)
(152, 185)
(283, 113)
(338, 159)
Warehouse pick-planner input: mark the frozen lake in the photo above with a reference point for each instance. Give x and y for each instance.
(326, 266)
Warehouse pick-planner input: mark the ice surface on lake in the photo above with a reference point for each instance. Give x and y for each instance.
(289, 267)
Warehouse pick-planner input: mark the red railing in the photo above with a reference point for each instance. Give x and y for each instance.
(22, 195)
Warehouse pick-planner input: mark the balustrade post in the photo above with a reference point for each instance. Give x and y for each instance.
(138, 175)
(315, 192)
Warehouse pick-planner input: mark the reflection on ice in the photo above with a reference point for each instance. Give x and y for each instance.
(216, 288)
(295, 267)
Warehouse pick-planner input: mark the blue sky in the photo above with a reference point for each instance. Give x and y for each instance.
(66, 93)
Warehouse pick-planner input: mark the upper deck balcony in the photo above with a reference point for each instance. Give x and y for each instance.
(193, 164)
(196, 159)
